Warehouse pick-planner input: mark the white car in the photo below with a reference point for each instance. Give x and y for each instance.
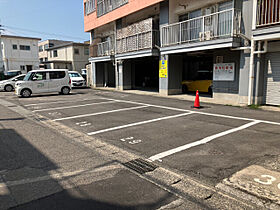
(77, 79)
(9, 84)
(44, 81)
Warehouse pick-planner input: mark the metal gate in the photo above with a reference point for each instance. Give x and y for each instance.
(272, 90)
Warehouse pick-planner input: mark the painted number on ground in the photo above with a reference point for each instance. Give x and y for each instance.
(83, 124)
(131, 140)
(267, 180)
(54, 113)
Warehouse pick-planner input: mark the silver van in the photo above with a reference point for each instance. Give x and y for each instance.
(44, 81)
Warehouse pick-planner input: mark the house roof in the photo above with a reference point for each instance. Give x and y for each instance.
(67, 44)
(19, 37)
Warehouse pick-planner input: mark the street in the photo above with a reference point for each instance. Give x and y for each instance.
(101, 149)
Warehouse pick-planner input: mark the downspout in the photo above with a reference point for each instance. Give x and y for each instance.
(251, 73)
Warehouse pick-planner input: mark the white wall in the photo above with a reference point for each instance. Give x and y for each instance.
(13, 59)
(179, 7)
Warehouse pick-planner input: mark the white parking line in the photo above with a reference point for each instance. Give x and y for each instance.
(68, 107)
(202, 141)
(99, 113)
(202, 113)
(61, 102)
(138, 123)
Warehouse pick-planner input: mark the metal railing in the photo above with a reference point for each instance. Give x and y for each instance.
(105, 6)
(217, 25)
(106, 48)
(102, 49)
(140, 41)
(89, 6)
(268, 12)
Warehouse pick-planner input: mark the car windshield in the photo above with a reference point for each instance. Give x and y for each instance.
(74, 75)
(26, 78)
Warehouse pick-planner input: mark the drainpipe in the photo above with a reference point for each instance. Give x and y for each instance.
(251, 73)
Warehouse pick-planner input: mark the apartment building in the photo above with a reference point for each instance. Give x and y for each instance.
(265, 53)
(71, 55)
(157, 44)
(18, 53)
(43, 46)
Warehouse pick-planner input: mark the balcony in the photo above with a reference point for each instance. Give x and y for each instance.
(218, 25)
(268, 12)
(105, 6)
(101, 49)
(140, 41)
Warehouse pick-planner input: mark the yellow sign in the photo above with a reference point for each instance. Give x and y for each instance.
(163, 68)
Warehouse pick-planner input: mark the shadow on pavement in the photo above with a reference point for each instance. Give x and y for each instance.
(21, 162)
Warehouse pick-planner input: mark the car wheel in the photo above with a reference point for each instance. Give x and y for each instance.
(8, 88)
(65, 90)
(184, 89)
(25, 93)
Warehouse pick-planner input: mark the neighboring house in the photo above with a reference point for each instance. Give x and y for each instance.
(43, 53)
(18, 53)
(71, 55)
(156, 44)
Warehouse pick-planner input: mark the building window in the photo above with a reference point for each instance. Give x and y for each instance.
(41, 48)
(55, 53)
(22, 68)
(89, 6)
(14, 47)
(24, 47)
(51, 44)
(86, 50)
(76, 51)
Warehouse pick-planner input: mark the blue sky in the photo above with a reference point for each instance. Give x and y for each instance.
(55, 19)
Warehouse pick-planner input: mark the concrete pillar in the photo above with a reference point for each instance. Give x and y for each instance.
(119, 74)
(172, 83)
(244, 77)
(163, 81)
(93, 74)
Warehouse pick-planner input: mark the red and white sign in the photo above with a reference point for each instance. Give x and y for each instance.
(223, 72)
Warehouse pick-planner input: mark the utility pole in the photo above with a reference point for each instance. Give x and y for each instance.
(1, 54)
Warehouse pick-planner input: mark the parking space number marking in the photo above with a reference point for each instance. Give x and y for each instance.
(267, 180)
(131, 140)
(83, 124)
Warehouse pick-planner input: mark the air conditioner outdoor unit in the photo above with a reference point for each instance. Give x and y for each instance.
(201, 36)
(208, 35)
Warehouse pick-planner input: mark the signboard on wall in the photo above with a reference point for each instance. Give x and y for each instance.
(163, 68)
(223, 72)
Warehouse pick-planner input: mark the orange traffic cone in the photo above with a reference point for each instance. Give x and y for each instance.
(196, 101)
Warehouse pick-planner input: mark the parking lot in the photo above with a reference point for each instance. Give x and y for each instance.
(209, 144)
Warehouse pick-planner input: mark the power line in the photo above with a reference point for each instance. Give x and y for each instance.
(43, 33)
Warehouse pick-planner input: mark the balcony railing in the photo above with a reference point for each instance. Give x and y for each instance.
(106, 48)
(268, 12)
(140, 41)
(217, 25)
(105, 6)
(102, 49)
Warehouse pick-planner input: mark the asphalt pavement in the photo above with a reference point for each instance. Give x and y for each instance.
(157, 153)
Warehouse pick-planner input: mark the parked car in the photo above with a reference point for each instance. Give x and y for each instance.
(44, 81)
(77, 79)
(202, 83)
(9, 85)
(11, 73)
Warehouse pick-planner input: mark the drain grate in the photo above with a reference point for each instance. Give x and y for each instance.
(140, 166)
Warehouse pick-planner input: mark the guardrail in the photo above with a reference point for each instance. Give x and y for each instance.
(220, 24)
